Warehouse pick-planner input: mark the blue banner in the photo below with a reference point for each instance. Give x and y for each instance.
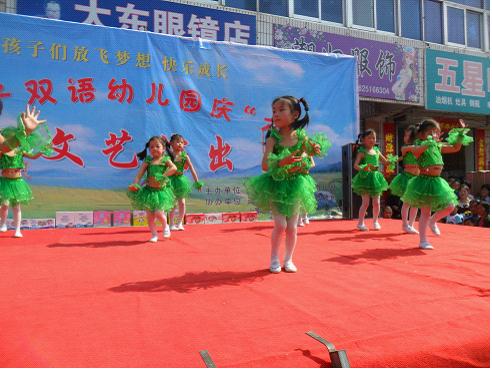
(105, 91)
(149, 15)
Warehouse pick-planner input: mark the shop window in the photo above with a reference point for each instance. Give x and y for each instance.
(456, 25)
(385, 10)
(363, 13)
(433, 21)
(410, 15)
(332, 10)
(307, 8)
(242, 4)
(473, 29)
(276, 7)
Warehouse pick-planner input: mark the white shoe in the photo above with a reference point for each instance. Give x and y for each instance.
(361, 227)
(181, 227)
(410, 229)
(426, 246)
(153, 239)
(306, 220)
(167, 232)
(3, 228)
(300, 224)
(174, 228)
(289, 267)
(18, 234)
(434, 228)
(275, 267)
(377, 226)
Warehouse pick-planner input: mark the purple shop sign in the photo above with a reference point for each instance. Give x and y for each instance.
(385, 70)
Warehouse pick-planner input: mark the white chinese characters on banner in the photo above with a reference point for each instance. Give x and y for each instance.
(168, 22)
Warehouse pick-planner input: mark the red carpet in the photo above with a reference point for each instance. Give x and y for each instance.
(105, 298)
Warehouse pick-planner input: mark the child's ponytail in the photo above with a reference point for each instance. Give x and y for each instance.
(142, 154)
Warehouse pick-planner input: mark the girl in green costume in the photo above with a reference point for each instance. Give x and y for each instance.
(399, 184)
(180, 184)
(428, 191)
(156, 197)
(286, 188)
(25, 140)
(369, 182)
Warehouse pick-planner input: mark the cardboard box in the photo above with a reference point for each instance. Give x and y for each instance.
(249, 216)
(213, 218)
(84, 219)
(103, 218)
(231, 217)
(122, 218)
(198, 218)
(65, 219)
(140, 218)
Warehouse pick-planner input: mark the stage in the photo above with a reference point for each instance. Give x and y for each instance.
(107, 298)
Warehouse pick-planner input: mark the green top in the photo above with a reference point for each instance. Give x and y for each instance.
(409, 159)
(180, 163)
(157, 170)
(278, 148)
(431, 156)
(372, 159)
(12, 162)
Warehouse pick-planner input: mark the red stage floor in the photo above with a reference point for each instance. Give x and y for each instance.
(105, 298)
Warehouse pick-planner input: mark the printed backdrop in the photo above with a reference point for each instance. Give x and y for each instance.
(105, 91)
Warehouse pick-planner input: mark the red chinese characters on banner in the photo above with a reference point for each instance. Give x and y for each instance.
(85, 92)
(389, 132)
(115, 147)
(4, 94)
(190, 101)
(62, 148)
(480, 158)
(120, 92)
(160, 100)
(218, 155)
(40, 90)
(221, 107)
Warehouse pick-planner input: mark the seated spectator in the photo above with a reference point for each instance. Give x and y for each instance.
(484, 195)
(483, 212)
(464, 199)
(456, 185)
(454, 217)
(388, 212)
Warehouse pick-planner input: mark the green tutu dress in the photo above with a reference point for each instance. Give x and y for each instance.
(150, 198)
(180, 184)
(283, 192)
(371, 182)
(14, 191)
(433, 191)
(399, 184)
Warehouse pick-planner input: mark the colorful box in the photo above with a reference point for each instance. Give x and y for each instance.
(122, 218)
(103, 218)
(198, 218)
(84, 219)
(249, 216)
(213, 218)
(65, 219)
(231, 217)
(140, 218)
(45, 223)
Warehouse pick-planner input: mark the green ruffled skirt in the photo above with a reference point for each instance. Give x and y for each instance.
(428, 191)
(399, 184)
(181, 186)
(287, 197)
(14, 191)
(152, 199)
(369, 183)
